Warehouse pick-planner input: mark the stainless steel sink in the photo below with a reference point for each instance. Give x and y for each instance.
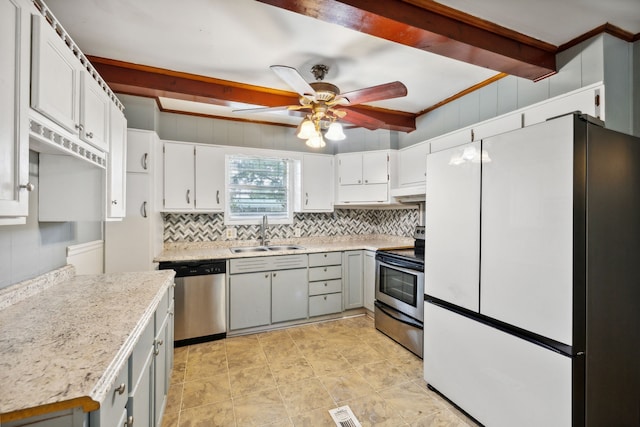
(284, 247)
(246, 249)
(249, 249)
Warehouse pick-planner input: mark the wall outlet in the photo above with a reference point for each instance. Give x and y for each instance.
(297, 232)
(231, 233)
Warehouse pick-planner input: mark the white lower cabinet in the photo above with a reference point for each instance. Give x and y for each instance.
(114, 403)
(499, 379)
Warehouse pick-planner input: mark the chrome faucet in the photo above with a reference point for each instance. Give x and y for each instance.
(264, 241)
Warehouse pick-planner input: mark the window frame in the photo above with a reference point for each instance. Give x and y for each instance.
(256, 219)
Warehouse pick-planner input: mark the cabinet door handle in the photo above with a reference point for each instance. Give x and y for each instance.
(144, 209)
(325, 283)
(274, 274)
(359, 181)
(306, 201)
(79, 127)
(129, 422)
(325, 269)
(114, 202)
(89, 135)
(188, 197)
(266, 276)
(218, 196)
(325, 255)
(120, 389)
(325, 297)
(145, 159)
(366, 181)
(28, 186)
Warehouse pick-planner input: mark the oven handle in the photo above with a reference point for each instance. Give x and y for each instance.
(399, 267)
(396, 315)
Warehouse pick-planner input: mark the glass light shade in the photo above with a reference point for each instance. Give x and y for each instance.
(306, 129)
(316, 141)
(335, 133)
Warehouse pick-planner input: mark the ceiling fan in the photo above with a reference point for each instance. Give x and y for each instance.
(323, 104)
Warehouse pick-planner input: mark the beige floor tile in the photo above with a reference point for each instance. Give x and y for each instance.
(178, 372)
(410, 401)
(315, 418)
(180, 354)
(273, 336)
(170, 420)
(205, 366)
(285, 348)
(361, 355)
(291, 370)
(206, 391)
(304, 396)
(382, 374)
(174, 399)
(247, 359)
(326, 361)
(217, 414)
(440, 418)
(373, 410)
(304, 333)
(410, 365)
(311, 346)
(346, 385)
(251, 380)
(260, 408)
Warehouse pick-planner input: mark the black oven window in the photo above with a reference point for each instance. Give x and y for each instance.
(399, 285)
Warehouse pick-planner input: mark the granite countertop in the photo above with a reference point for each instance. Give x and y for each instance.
(193, 251)
(64, 338)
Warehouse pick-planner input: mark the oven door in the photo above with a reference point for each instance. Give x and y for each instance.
(400, 287)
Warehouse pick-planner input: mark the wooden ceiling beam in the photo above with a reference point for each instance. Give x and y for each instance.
(426, 25)
(151, 82)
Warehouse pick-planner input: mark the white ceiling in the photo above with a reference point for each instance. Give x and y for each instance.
(238, 41)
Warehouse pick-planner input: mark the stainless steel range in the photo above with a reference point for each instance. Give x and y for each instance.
(399, 306)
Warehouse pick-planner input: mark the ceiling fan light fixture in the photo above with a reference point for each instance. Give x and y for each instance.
(316, 141)
(306, 129)
(335, 132)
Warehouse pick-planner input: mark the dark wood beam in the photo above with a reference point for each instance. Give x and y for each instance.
(426, 25)
(152, 82)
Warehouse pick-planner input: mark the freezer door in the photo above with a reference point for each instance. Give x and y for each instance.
(452, 245)
(527, 229)
(500, 379)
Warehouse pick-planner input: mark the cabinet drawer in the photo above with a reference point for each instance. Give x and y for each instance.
(114, 403)
(140, 353)
(325, 273)
(325, 304)
(325, 287)
(325, 258)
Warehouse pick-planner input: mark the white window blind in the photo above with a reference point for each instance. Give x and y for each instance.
(258, 186)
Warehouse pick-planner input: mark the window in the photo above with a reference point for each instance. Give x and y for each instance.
(258, 186)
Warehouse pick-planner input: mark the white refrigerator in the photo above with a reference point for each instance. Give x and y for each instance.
(532, 291)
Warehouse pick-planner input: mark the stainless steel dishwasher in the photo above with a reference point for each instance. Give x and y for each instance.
(200, 300)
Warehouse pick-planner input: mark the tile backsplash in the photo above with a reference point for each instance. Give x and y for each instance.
(210, 227)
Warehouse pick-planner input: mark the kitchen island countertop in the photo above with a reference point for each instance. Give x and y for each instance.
(194, 251)
(64, 338)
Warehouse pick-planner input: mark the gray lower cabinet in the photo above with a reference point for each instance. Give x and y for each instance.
(353, 279)
(289, 295)
(266, 290)
(249, 300)
(369, 279)
(325, 283)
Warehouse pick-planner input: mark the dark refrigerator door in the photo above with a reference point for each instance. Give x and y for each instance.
(613, 279)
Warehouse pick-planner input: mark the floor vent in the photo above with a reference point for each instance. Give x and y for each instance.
(343, 417)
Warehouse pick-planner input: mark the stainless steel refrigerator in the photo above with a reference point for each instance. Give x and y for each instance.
(532, 276)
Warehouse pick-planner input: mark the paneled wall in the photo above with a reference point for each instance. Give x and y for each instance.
(34, 248)
(210, 227)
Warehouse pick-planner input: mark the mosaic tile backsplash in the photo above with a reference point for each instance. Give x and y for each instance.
(210, 227)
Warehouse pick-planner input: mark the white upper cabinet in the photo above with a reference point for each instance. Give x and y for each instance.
(209, 178)
(66, 90)
(14, 103)
(364, 177)
(55, 77)
(317, 183)
(116, 177)
(193, 177)
(412, 161)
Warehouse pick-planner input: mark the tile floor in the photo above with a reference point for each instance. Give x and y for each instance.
(292, 377)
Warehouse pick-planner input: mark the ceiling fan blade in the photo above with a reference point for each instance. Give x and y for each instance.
(292, 77)
(270, 109)
(375, 93)
(361, 120)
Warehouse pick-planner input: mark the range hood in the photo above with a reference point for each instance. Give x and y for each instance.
(412, 194)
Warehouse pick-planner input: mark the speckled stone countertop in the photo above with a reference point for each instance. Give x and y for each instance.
(193, 251)
(64, 338)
